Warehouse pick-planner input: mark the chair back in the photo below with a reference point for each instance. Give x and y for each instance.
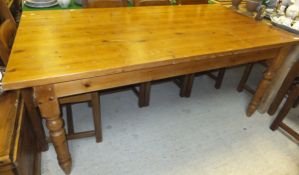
(190, 2)
(104, 3)
(7, 32)
(151, 2)
(290, 79)
(5, 12)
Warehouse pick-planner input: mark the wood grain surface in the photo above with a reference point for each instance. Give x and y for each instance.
(76, 44)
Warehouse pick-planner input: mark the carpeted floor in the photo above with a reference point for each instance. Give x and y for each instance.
(206, 134)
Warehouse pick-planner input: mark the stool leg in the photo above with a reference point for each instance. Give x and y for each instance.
(187, 84)
(219, 78)
(245, 77)
(286, 108)
(144, 94)
(97, 120)
(69, 118)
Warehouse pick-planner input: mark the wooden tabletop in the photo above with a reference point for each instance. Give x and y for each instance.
(59, 46)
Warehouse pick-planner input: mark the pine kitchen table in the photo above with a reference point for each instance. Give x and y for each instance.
(67, 52)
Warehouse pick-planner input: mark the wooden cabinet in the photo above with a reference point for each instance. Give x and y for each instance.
(18, 148)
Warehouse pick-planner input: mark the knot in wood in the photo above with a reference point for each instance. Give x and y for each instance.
(55, 125)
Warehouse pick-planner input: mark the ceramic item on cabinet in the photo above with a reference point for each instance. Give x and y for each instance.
(296, 25)
(284, 4)
(282, 20)
(293, 10)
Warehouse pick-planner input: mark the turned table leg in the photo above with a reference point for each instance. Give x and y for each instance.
(276, 63)
(50, 111)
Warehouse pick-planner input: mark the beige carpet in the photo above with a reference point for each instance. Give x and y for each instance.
(207, 134)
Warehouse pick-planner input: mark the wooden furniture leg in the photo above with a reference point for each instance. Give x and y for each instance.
(95, 102)
(219, 78)
(242, 84)
(143, 94)
(296, 103)
(283, 90)
(280, 58)
(186, 85)
(50, 111)
(69, 118)
(292, 96)
(35, 119)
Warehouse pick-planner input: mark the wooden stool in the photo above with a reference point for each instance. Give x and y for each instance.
(144, 91)
(291, 78)
(289, 88)
(186, 83)
(278, 122)
(245, 76)
(94, 100)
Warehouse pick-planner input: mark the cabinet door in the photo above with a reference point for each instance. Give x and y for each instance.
(27, 157)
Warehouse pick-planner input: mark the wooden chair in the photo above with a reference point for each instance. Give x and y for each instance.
(278, 122)
(143, 93)
(291, 77)
(151, 2)
(7, 32)
(94, 102)
(289, 89)
(5, 12)
(245, 76)
(186, 81)
(91, 98)
(104, 3)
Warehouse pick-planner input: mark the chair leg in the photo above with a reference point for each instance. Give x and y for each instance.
(69, 118)
(144, 94)
(219, 78)
(286, 108)
(245, 77)
(186, 85)
(296, 103)
(97, 120)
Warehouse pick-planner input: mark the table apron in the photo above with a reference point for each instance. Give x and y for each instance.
(137, 76)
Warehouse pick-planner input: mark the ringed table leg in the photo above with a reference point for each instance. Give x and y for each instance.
(50, 111)
(264, 84)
